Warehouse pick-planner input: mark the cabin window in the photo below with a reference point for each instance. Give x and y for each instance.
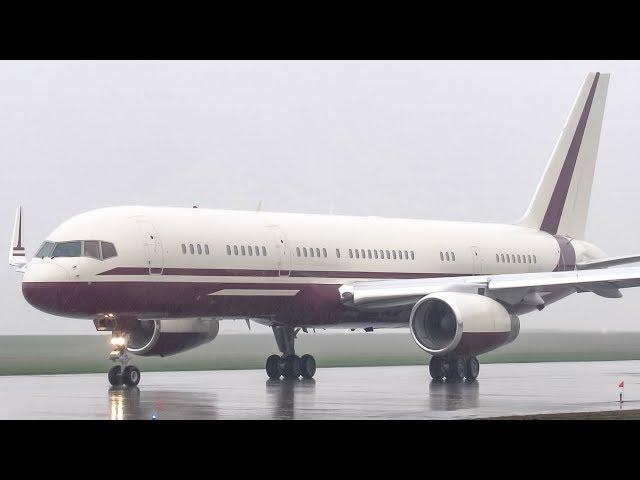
(508, 258)
(388, 255)
(519, 259)
(369, 254)
(534, 259)
(412, 257)
(324, 252)
(199, 249)
(350, 253)
(406, 255)
(357, 253)
(206, 249)
(184, 248)
(337, 252)
(393, 252)
(304, 251)
(497, 258)
(400, 254)
(529, 258)
(311, 252)
(242, 250)
(91, 249)
(298, 251)
(502, 258)
(250, 251)
(318, 252)
(228, 250)
(441, 257)
(235, 250)
(447, 256)
(257, 250)
(264, 251)
(191, 249)
(375, 254)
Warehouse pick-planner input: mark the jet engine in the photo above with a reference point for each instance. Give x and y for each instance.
(454, 323)
(168, 337)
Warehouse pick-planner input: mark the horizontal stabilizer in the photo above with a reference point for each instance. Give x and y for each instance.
(608, 262)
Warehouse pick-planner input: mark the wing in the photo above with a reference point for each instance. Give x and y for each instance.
(513, 288)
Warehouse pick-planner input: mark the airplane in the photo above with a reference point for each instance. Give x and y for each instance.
(161, 279)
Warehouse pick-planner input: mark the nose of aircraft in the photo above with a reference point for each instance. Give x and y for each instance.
(40, 284)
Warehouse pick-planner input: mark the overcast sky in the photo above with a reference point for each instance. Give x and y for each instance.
(452, 140)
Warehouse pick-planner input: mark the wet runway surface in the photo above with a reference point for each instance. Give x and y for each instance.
(335, 393)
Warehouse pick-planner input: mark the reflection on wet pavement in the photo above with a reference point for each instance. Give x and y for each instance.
(335, 393)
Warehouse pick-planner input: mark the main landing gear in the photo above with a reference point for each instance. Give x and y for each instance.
(289, 365)
(122, 373)
(454, 369)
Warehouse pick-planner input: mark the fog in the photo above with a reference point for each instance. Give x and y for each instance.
(455, 140)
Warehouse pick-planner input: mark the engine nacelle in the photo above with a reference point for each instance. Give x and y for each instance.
(168, 337)
(454, 323)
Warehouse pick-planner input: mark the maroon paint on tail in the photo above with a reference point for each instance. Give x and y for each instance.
(558, 197)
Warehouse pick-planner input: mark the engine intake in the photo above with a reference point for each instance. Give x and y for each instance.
(167, 337)
(453, 323)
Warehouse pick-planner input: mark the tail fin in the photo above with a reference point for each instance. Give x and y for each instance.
(561, 201)
(16, 251)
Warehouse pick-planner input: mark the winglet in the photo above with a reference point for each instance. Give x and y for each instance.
(17, 254)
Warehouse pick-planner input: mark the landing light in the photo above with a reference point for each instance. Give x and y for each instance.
(118, 341)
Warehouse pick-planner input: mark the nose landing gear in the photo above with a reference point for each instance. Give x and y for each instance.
(122, 373)
(289, 365)
(454, 369)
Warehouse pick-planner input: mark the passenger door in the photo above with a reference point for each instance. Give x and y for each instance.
(282, 250)
(152, 246)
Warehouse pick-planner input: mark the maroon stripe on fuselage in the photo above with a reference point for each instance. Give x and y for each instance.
(216, 272)
(315, 304)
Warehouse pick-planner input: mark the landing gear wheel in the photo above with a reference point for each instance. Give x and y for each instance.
(289, 366)
(272, 366)
(131, 376)
(115, 376)
(455, 370)
(472, 369)
(436, 369)
(307, 366)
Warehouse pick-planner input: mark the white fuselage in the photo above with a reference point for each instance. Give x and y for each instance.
(158, 248)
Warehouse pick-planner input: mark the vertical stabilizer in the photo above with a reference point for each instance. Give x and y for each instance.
(561, 201)
(17, 251)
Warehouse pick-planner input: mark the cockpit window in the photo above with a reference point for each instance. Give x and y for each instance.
(45, 250)
(77, 248)
(108, 250)
(92, 249)
(68, 249)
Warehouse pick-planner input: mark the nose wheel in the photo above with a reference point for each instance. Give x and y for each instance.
(122, 373)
